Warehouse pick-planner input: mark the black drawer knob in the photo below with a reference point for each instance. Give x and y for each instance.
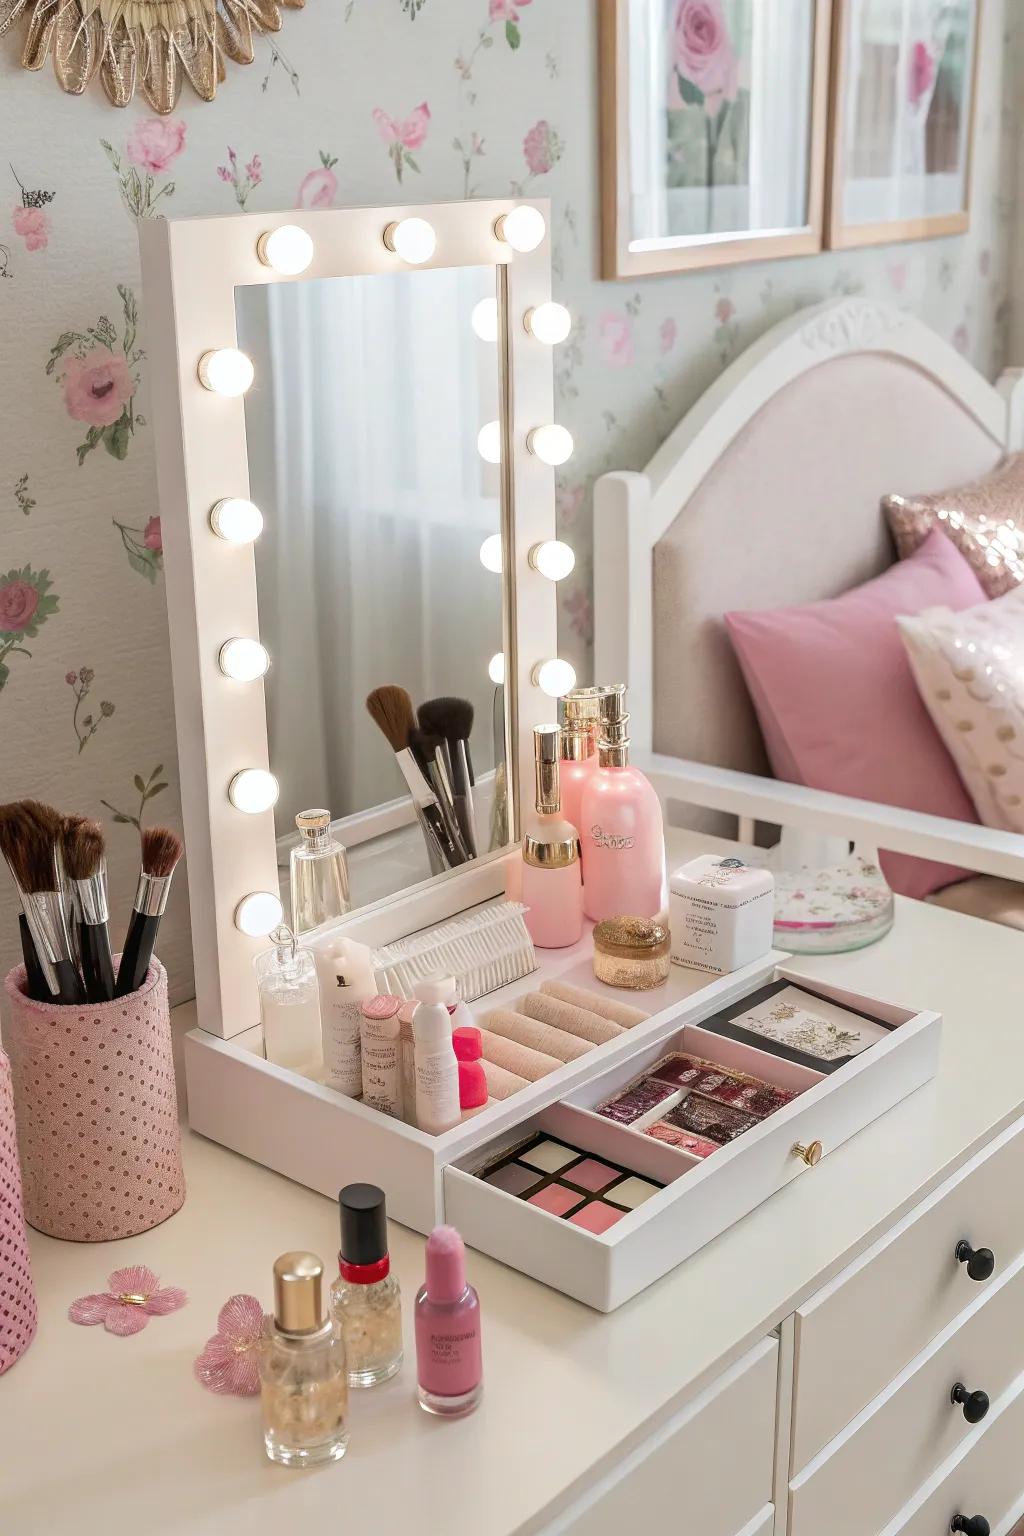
(975, 1404)
(970, 1525)
(980, 1261)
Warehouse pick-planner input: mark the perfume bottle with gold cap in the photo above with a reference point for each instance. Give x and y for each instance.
(552, 888)
(622, 836)
(319, 873)
(302, 1370)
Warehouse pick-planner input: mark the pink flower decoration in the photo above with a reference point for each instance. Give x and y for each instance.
(616, 332)
(922, 73)
(668, 332)
(542, 148)
(155, 142)
(151, 538)
(704, 52)
(319, 188)
(97, 387)
(724, 311)
(507, 10)
(71, 677)
(134, 1297)
(254, 170)
(18, 602)
(230, 1362)
(224, 173)
(33, 225)
(411, 134)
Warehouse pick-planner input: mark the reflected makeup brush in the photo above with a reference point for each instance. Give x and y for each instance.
(161, 850)
(452, 718)
(35, 981)
(30, 833)
(428, 750)
(390, 709)
(85, 869)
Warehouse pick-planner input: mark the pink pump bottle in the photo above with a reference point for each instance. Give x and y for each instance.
(622, 836)
(552, 890)
(578, 747)
(449, 1361)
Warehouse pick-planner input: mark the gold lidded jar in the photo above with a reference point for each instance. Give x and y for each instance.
(632, 952)
(304, 1383)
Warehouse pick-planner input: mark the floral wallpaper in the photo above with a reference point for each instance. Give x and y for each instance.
(354, 101)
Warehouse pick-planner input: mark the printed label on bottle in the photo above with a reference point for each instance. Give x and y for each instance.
(456, 1351)
(437, 1091)
(342, 1017)
(610, 839)
(381, 1067)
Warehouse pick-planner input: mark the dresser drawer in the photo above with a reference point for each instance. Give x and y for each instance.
(886, 1453)
(707, 1469)
(859, 1331)
(986, 1478)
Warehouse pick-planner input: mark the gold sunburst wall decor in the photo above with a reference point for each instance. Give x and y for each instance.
(154, 46)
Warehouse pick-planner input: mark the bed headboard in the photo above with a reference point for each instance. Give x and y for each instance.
(767, 493)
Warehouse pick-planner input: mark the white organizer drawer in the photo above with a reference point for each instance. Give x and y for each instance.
(986, 1477)
(708, 1468)
(853, 1336)
(888, 1451)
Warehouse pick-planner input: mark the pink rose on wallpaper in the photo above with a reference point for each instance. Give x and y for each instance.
(542, 148)
(704, 53)
(724, 311)
(922, 73)
(152, 537)
(616, 332)
(507, 10)
(18, 602)
(668, 331)
(97, 387)
(155, 142)
(33, 225)
(411, 133)
(319, 188)
(569, 500)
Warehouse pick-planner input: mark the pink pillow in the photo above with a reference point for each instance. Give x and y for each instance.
(837, 702)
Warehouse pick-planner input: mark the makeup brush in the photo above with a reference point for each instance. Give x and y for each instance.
(452, 718)
(35, 980)
(428, 750)
(390, 709)
(29, 839)
(85, 869)
(161, 850)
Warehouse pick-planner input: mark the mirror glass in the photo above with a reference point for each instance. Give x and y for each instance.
(362, 429)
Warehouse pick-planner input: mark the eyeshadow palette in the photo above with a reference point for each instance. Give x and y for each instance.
(706, 1117)
(575, 1186)
(636, 1100)
(694, 1104)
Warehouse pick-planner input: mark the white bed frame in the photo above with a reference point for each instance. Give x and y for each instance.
(633, 512)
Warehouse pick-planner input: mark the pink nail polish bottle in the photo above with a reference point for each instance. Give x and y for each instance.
(449, 1364)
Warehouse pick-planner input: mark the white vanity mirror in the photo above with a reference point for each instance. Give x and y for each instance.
(356, 453)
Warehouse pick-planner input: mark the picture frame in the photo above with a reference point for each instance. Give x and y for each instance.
(904, 91)
(713, 141)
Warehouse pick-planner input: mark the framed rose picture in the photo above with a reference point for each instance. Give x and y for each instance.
(903, 89)
(713, 126)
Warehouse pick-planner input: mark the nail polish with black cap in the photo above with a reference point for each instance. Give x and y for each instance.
(366, 1303)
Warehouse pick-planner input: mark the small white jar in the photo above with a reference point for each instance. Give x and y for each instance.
(721, 913)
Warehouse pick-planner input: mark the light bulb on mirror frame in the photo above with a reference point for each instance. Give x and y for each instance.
(491, 554)
(484, 319)
(253, 790)
(287, 249)
(523, 228)
(413, 239)
(258, 914)
(552, 444)
(243, 660)
(488, 442)
(550, 323)
(236, 520)
(226, 371)
(555, 677)
(496, 668)
(553, 559)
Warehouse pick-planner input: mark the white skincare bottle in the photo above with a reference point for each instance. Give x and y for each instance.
(459, 1011)
(344, 970)
(437, 1070)
(289, 1005)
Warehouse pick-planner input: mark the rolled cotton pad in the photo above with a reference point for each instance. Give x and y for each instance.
(549, 1156)
(593, 1002)
(502, 1084)
(569, 1018)
(535, 1035)
(596, 1217)
(517, 1059)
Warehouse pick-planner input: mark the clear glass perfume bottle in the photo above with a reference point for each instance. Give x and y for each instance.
(319, 873)
(304, 1383)
(290, 1004)
(366, 1303)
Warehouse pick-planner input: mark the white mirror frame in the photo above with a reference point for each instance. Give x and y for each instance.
(190, 270)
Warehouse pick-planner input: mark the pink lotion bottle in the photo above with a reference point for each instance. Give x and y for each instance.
(578, 748)
(449, 1362)
(552, 889)
(622, 836)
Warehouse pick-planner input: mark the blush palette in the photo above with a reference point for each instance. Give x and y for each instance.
(576, 1187)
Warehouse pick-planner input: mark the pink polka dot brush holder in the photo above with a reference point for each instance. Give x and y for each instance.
(97, 1113)
(17, 1297)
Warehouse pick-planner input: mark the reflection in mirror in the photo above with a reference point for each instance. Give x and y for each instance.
(374, 596)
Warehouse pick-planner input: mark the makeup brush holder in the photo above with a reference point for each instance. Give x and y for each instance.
(17, 1296)
(97, 1112)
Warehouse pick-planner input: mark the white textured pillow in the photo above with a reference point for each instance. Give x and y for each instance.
(969, 670)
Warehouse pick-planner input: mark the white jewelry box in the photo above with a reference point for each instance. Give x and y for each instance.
(721, 913)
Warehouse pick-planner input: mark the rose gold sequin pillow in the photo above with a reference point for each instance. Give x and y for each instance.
(984, 519)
